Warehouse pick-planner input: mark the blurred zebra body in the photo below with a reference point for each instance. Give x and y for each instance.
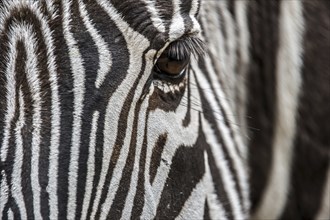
(87, 131)
(274, 71)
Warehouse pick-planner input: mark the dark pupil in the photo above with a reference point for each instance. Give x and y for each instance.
(170, 64)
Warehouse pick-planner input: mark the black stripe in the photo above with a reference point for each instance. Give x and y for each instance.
(137, 16)
(27, 130)
(206, 211)
(261, 81)
(187, 169)
(312, 144)
(66, 96)
(156, 156)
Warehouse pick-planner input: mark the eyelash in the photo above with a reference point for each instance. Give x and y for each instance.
(182, 49)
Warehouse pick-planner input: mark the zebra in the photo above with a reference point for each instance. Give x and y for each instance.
(163, 109)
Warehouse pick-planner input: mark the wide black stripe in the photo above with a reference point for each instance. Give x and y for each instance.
(263, 25)
(27, 130)
(312, 143)
(187, 169)
(165, 8)
(66, 96)
(136, 15)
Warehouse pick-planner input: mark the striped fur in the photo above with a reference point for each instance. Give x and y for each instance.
(85, 135)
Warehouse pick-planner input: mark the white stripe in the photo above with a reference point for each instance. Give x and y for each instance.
(10, 98)
(155, 18)
(51, 8)
(193, 11)
(289, 80)
(177, 25)
(105, 61)
(3, 192)
(231, 40)
(79, 91)
(242, 66)
(10, 214)
(16, 186)
(90, 166)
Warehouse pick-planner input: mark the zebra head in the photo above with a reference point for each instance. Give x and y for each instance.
(108, 109)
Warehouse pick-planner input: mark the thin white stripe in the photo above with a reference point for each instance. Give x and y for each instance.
(90, 166)
(193, 11)
(230, 42)
(215, 39)
(79, 91)
(155, 18)
(223, 167)
(177, 26)
(105, 61)
(10, 214)
(10, 98)
(3, 192)
(229, 145)
(242, 67)
(289, 63)
(16, 185)
(50, 7)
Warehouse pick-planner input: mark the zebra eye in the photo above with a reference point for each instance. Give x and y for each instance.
(173, 62)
